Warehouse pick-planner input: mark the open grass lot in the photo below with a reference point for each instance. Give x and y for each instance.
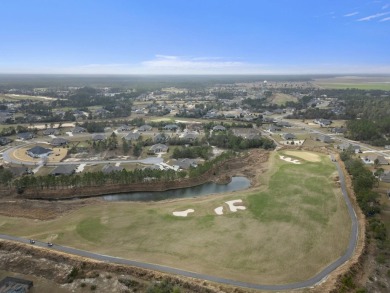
(15, 97)
(295, 224)
(361, 86)
(281, 99)
(357, 82)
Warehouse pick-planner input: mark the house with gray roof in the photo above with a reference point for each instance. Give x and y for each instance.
(25, 135)
(161, 138)
(219, 128)
(5, 140)
(124, 127)
(145, 128)
(325, 138)
(184, 164)
(59, 141)
(98, 137)
(349, 146)
(272, 128)
(51, 131)
(191, 136)
(38, 152)
(78, 129)
(385, 177)
(171, 127)
(132, 136)
(323, 122)
(283, 124)
(288, 136)
(64, 170)
(158, 148)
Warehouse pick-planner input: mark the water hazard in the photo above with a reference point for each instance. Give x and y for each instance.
(237, 183)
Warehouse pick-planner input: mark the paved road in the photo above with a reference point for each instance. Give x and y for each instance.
(308, 283)
(7, 157)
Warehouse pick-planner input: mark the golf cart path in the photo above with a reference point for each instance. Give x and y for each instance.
(165, 269)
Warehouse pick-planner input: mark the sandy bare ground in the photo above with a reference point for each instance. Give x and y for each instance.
(219, 211)
(183, 213)
(308, 156)
(290, 160)
(233, 207)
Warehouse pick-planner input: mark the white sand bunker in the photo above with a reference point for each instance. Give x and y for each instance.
(219, 210)
(308, 156)
(290, 160)
(183, 213)
(234, 208)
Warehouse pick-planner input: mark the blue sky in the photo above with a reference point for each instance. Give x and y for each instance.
(194, 37)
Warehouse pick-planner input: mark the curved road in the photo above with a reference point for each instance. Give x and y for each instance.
(308, 283)
(8, 158)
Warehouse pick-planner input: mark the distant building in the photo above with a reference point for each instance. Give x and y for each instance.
(288, 136)
(124, 128)
(5, 140)
(145, 128)
(78, 129)
(348, 146)
(273, 129)
(98, 137)
(171, 127)
(323, 122)
(51, 131)
(325, 138)
(219, 128)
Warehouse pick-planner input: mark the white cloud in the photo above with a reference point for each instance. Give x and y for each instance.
(177, 64)
(368, 18)
(385, 6)
(385, 19)
(351, 14)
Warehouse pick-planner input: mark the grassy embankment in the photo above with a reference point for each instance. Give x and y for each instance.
(294, 225)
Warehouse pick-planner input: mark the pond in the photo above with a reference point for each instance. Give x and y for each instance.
(237, 183)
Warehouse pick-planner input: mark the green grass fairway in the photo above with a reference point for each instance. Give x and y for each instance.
(295, 224)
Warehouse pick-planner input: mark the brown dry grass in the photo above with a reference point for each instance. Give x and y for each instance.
(57, 156)
(236, 245)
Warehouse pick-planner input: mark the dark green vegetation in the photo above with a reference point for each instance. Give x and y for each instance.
(192, 152)
(228, 140)
(163, 287)
(363, 184)
(119, 177)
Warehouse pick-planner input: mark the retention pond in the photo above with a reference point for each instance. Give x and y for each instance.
(237, 183)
